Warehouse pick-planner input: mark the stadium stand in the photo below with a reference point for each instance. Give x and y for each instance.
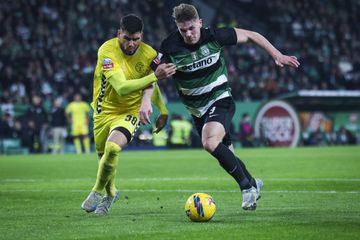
(48, 48)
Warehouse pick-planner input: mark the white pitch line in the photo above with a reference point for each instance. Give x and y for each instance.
(169, 179)
(183, 191)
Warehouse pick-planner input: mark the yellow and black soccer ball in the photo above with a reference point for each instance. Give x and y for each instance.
(200, 207)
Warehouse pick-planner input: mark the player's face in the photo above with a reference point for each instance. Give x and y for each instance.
(77, 98)
(190, 30)
(129, 42)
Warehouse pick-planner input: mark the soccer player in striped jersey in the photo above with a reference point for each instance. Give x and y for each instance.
(124, 87)
(202, 83)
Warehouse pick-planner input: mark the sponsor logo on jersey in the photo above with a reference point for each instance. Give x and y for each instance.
(203, 63)
(177, 61)
(107, 63)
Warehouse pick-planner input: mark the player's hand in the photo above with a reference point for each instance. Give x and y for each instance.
(283, 60)
(165, 70)
(160, 122)
(145, 112)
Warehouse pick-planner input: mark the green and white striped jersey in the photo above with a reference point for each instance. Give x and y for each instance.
(201, 78)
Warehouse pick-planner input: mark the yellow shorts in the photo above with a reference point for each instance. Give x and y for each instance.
(78, 129)
(104, 124)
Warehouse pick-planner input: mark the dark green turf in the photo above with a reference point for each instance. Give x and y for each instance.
(309, 193)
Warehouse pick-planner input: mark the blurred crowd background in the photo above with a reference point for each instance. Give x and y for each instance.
(48, 49)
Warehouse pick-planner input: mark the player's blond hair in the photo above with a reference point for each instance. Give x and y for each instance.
(185, 12)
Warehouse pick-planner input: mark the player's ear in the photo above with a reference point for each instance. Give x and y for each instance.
(118, 33)
(200, 22)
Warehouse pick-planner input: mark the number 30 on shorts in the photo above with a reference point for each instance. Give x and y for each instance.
(131, 119)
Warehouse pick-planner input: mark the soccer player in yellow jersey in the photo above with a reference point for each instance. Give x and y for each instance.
(124, 87)
(78, 113)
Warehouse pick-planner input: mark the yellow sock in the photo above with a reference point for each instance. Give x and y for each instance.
(86, 142)
(107, 166)
(77, 144)
(110, 186)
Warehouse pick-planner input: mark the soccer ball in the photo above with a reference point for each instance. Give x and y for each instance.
(200, 207)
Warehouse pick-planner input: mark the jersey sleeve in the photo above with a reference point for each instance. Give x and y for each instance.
(68, 109)
(116, 77)
(158, 100)
(162, 57)
(86, 108)
(156, 61)
(108, 66)
(224, 36)
(125, 87)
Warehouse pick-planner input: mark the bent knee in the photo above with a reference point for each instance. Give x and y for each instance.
(112, 148)
(210, 144)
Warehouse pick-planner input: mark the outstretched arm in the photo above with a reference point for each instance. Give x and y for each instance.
(123, 87)
(280, 59)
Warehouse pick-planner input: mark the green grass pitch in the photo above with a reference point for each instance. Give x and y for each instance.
(309, 193)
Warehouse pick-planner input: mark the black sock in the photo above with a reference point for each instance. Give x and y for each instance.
(247, 174)
(228, 161)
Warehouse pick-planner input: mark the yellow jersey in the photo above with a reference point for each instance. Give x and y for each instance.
(112, 60)
(79, 112)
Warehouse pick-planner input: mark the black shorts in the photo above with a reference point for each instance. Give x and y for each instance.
(221, 111)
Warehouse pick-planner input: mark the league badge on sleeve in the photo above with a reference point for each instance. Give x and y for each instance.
(157, 60)
(107, 64)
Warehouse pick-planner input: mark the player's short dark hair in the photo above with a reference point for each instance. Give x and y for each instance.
(185, 12)
(131, 23)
